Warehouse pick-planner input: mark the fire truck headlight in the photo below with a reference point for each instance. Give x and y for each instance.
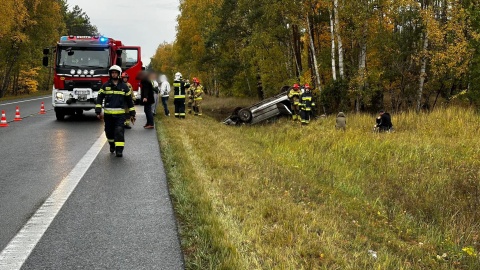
(79, 71)
(72, 71)
(85, 72)
(59, 96)
(92, 72)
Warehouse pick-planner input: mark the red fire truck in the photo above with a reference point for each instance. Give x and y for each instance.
(80, 68)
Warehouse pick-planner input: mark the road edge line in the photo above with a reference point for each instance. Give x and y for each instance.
(14, 255)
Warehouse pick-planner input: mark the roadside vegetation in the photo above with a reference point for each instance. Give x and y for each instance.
(29, 26)
(282, 196)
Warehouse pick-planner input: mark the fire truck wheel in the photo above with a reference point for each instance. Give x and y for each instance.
(60, 115)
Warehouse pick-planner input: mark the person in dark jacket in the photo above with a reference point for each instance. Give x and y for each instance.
(117, 96)
(147, 98)
(383, 121)
(179, 93)
(306, 105)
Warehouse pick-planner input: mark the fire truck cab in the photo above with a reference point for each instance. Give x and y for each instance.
(80, 68)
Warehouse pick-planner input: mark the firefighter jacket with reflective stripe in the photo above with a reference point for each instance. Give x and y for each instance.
(179, 89)
(197, 91)
(294, 95)
(306, 101)
(116, 97)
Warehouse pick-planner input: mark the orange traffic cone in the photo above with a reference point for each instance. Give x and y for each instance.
(3, 121)
(42, 109)
(17, 115)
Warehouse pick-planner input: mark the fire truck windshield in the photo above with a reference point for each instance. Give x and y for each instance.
(69, 57)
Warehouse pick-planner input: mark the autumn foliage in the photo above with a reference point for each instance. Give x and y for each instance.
(29, 26)
(363, 55)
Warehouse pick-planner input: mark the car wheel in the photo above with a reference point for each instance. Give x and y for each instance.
(245, 115)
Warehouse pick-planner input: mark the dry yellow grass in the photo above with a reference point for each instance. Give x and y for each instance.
(282, 196)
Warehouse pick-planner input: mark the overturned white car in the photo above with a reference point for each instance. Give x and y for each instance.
(263, 110)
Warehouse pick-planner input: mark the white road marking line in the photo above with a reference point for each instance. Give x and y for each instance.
(24, 100)
(17, 251)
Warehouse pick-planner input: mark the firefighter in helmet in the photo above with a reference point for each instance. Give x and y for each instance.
(306, 105)
(117, 95)
(179, 92)
(125, 78)
(190, 96)
(294, 96)
(197, 90)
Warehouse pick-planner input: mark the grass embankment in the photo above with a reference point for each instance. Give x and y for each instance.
(282, 196)
(36, 94)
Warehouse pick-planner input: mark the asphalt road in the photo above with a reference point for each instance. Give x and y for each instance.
(119, 215)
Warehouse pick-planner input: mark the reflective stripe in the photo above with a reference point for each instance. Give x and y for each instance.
(176, 84)
(115, 93)
(132, 109)
(119, 143)
(112, 140)
(182, 114)
(307, 98)
(114, 111)
(101, 91)
(180, 96)
(129, 93)
(98, 106)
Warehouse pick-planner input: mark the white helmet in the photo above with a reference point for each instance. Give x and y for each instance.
(115, 67)
(178, 76)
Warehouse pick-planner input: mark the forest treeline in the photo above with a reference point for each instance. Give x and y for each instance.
(29, 26)
(360, 55)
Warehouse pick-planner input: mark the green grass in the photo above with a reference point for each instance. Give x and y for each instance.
(282, 196)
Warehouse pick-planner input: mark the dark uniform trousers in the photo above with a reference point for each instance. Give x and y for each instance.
(114, 130)
(179, 107)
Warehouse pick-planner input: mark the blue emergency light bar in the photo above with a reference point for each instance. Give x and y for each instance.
(101, 39)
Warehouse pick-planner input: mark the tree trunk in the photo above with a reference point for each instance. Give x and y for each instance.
(362, 64)
(332, 37)
(339, 40)
(297, 53)
(315, 64)
(422, 71)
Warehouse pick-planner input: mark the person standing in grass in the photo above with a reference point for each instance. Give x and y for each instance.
(341, 121)
(306, 105)
(384, 122)
(294, 96)
(197, 90)
(165, 92)
(179, 95)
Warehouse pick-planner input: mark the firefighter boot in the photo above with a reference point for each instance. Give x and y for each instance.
(119, 151)
(112, 147)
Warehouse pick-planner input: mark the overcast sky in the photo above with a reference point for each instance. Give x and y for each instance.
(145, 23)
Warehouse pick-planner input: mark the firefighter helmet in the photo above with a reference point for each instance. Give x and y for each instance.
(307, 86)
(195, 80)
(296, 86)
(178, 76)
(115, 68)
(125, 75)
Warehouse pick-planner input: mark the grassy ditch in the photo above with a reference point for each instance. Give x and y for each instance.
(282, 196)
